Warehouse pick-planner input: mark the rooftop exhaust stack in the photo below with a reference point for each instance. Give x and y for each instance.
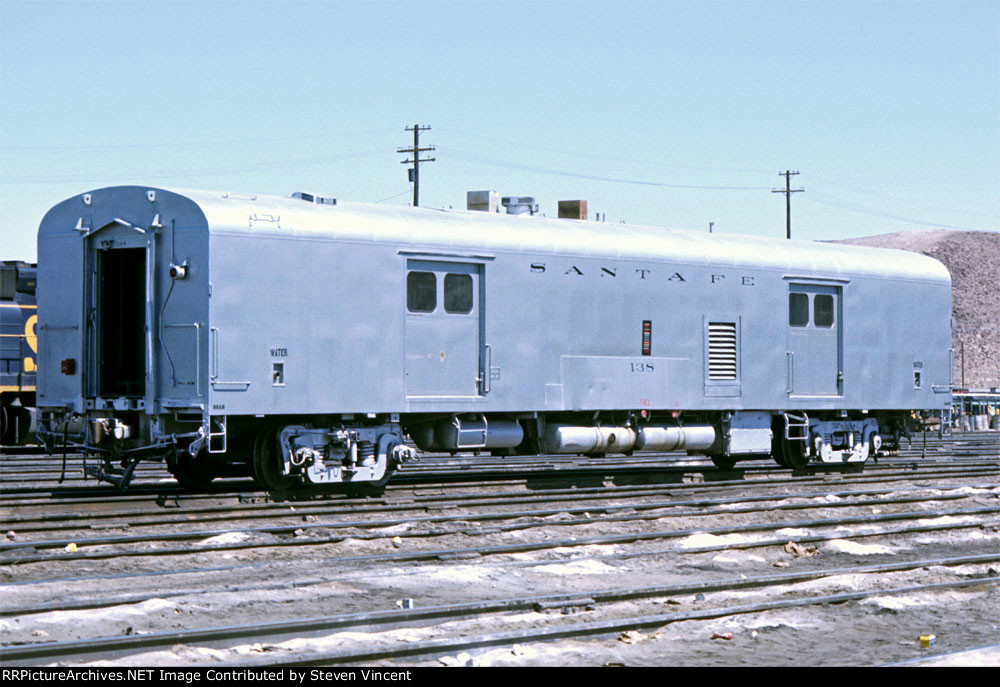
(482, 201)
(313, 198)
(573, 209)
(520, 205)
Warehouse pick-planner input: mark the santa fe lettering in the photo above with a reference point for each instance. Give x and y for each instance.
(641, 273)
(609, 272)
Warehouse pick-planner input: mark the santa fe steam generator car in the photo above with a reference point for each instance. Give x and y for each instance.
(303, 340)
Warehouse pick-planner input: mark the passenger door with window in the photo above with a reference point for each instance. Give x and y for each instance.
(814, 347)
(444, 329)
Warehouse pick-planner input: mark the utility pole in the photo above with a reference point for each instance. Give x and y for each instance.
(416, 150)
(788, 191)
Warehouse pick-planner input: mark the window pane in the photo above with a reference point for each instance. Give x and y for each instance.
(421, 292)
(798, 309)
(823, 310)
(458, 293)
(8, 279)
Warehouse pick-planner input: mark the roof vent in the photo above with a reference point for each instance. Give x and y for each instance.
(482, 201)
(573, 209)
(313, 198)
(520, 205)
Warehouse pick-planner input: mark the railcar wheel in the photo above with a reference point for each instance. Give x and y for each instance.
(190, 473)
(794, 454)
(777, 442)
(723, 462)
(267, 464)
(14, 425)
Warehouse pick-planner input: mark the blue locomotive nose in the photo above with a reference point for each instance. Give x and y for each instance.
(18, 349)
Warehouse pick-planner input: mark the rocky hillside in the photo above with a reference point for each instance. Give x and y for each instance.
(973, 258)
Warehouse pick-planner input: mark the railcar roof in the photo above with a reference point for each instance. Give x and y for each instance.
(481, 233)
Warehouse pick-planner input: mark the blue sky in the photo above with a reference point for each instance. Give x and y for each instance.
(671, 114)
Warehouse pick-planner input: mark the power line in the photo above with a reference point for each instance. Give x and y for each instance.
(100, 177)
(480, 159)
(937, 207)
(827, 199)
(177, 174)
(214, 143)
(577, 153)
(816, 195)
(396, 195)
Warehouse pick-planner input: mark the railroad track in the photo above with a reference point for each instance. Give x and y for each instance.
(538, 570)
(429, 618)
(32, 470)
(40, 514)
(579, 473)
(68, 536)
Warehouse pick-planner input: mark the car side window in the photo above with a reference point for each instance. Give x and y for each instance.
(823, 310)
(421, 292)
(798, 309)
(458, 293)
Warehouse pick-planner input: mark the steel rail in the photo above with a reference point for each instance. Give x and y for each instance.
(397, 617)
(608, 627)
(405, 501)
(446, 555)
(71, 521)
(941, 658)
(162, 493)
(974, 442)
(611, 539)
(445, 481)
(464, 516)
(551, 462)
(145, 479)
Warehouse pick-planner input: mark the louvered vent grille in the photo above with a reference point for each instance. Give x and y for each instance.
(722, 351)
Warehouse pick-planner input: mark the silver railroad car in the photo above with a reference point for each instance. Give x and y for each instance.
(305, 340)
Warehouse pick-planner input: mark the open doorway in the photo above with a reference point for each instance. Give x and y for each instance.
(121, 322)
